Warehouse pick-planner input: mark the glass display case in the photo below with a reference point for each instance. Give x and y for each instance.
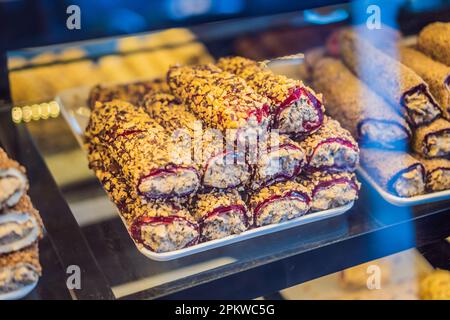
(43, 111)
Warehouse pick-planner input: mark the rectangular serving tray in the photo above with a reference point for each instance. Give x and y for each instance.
(75, 111)
(401, 201)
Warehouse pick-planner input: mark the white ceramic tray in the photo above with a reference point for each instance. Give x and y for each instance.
(401, 201)
(74, 109)
(18, 294)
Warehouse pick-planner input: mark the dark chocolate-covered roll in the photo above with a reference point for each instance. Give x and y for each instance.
(279, 159)
(20, 226)
(155, 225)
(433, 140)
(296, 110)
(220, 214)
(142, 149)
(331, 148)
(19, 269)
(397, 172)
(397, 83)
(131, 92)
(437, 174)
(435, 74)
(13, 182)
(279, 202)
(331, 190)
(357, 108)
(219, 167)
(434, 40)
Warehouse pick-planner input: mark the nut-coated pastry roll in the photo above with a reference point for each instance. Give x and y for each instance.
(433, 140)
(130, 92)
(142, 149)
(219, 167)
(13, 182)
(357, 108)
(279, 159)
(19, 269)
(220, 99)
(296, 110)
(20, 226)
(397, 172)
(437, 173)
(435, 74)
(397, 83)
(155, 225)
(220, 214)
(434, 40)
(331, 148)
(279, 202)
(331, 190)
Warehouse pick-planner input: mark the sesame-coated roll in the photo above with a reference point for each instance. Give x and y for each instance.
(433, 140)
(142, 149)
(20, 226)
(397, 172)
(279, 159)
(220, 99)
(19, 269)
(397, 83)
(156, 225)
(435, 74)
(331, 148)
(130, 92)
(331, 190)
(296, 110)
(220, 214)
(437, 173)
(434, 40)
(279, 202)
(219, 167)
(357, 108)
(13, 182)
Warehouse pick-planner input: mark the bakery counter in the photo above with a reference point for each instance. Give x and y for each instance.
(84, 229)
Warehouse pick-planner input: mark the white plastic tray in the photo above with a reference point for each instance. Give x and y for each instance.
(401, 201)
(18, 294)
(252, 233)
(74, 110)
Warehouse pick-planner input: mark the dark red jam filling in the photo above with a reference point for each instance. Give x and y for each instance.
(295, 95)
(327, 184)
(222, 210)
(260, 113)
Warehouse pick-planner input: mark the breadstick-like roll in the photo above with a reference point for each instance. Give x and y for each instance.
(397, 172)
(358, 109)
(433, 140)
(280, 202)
(220, 214)
(400, 85)
(296, 110)
(434, 40)
(13, 182)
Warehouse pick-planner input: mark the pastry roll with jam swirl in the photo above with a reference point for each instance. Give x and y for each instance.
(13, 182)
(396, 172)
(279, 202)
(219, 166)
(437, 173)
(142, 149)
(357, 108)
(433, 140)
(331, 190)
(392, 80)
(155, 225)
(220, 214)
(331, 148)
(295, 108)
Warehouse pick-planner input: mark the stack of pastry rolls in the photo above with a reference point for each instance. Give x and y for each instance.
(211, 153)
(20, 229)
(395, 101)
